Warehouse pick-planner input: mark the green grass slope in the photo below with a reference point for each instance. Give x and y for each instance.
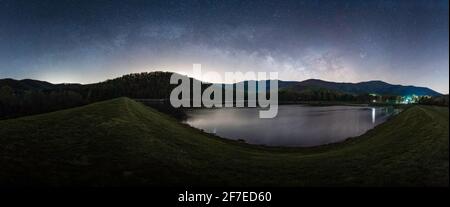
(123, 143)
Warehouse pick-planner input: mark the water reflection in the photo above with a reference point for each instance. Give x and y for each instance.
(295, 125)
(373, 115)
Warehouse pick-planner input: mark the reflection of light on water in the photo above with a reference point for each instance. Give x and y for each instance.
(373, 115)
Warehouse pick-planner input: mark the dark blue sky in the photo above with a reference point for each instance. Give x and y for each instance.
(404, 42)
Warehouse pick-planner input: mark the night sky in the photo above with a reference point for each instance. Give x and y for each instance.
(401, 42)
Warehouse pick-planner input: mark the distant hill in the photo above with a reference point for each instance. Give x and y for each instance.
(26, 84)
(20, 86)
(319, 90)
(368, 87)
(377, 87)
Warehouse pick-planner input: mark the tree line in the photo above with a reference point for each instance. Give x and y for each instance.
(16, 100)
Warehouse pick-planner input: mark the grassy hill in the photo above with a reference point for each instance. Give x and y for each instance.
(124, 143)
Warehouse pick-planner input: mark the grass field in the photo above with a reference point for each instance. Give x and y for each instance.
(124, 143)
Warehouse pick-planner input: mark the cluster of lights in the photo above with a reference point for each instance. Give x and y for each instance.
(409, 99)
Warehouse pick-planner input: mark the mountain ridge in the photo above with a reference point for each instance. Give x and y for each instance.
(371, 86)
(365, 87)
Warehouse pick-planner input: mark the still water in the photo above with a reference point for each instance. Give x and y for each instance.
(295, 125)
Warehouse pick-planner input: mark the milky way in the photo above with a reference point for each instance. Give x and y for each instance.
(404, 42)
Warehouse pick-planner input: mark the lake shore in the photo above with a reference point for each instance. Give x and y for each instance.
(294, 126)
(96, 144)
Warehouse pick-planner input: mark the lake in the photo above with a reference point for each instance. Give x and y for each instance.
(295, 125)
